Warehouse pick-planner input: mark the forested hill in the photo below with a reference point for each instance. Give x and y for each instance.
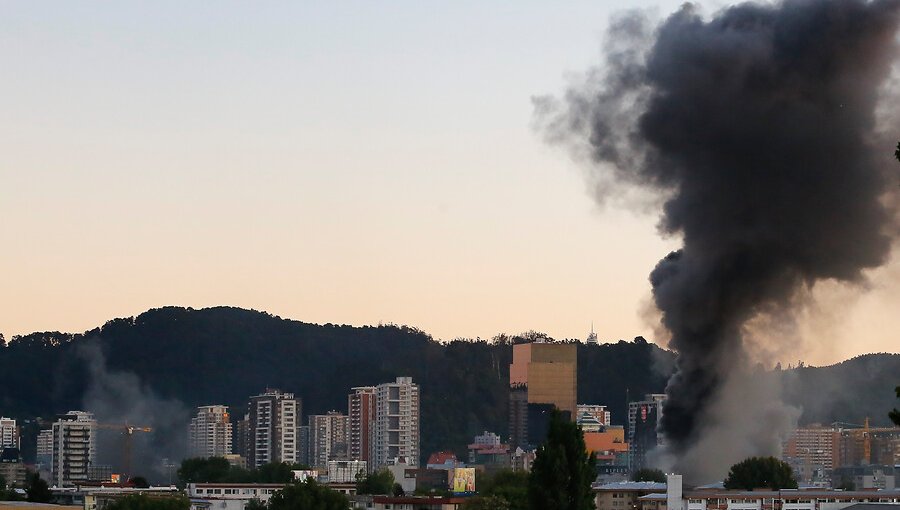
(224, 355)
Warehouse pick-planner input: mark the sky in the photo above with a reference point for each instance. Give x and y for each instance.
(344, 162)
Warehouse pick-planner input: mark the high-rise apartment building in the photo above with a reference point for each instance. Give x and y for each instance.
(273, 419)
(210, 432)
(361, 425)
(327, 438)
(397, 422)
(542, 377)
(815, 445)
(303, 449)
(74, 447)
(9, 434)
(643, 417)
(45, 444)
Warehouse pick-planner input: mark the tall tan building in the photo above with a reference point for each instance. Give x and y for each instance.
(542, 376)
(816, 445)
(210, 432)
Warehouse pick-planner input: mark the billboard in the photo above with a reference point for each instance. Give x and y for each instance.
(463, 480)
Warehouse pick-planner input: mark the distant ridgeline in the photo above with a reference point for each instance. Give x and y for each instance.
(224, 355)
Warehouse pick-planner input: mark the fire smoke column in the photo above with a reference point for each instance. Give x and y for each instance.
(758, 129)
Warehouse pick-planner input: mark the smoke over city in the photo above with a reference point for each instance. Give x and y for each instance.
(118, 398)
(759, 130)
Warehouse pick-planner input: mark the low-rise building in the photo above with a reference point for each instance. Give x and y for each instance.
(624, 495)
(865, 477)
(98, 498)
(764, 499)
(228, 496)
(12, 469)
(408, 502)
(345, 471)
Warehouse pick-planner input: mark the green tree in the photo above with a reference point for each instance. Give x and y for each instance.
(562, 472)
(649, 475)
(37, 489)
(897, 152)
(509, 485)
(144, 502)
(380, 482)
(208, 470)
(255, 504)
(895, 414)
(308, 495)
(486, 503)
(761, 472)
(275, 472)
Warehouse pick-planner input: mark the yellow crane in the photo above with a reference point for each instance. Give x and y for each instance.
(127, 433)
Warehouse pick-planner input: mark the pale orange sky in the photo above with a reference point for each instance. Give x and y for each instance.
(348, 164)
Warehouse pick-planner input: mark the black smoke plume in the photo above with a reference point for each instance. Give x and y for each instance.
(759, 129)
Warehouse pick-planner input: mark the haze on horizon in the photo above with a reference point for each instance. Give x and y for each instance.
(344, 163)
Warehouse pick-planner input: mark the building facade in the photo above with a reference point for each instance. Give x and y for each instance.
(9, 434)
(327, 438)
(397, 422)
(542, 376)
(210, 432)
(345, 471)
(74, 448)
(361, 425)
(643, 418)
(599, 413)
(273, 420)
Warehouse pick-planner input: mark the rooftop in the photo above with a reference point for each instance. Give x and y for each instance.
(631, 486)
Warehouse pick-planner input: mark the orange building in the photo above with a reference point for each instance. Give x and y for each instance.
(816, 445)
(610, 441)
(541, 376)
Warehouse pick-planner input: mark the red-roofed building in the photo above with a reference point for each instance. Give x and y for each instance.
(443, 460)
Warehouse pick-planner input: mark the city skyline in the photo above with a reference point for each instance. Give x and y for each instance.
(168, 155)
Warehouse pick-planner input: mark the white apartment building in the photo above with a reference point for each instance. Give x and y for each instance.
(229, 496)
(397, 422)
(274, 419)
(9, 433)
(327, 438)
(210, 432)
(74, 448)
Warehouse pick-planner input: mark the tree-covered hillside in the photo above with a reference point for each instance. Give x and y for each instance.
(224, 355)
(164, 362)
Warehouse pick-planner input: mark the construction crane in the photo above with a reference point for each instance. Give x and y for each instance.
(127, 433)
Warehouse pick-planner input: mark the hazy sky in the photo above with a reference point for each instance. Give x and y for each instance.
(344, 162)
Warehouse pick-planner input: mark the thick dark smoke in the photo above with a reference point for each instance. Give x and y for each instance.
(759, 130)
